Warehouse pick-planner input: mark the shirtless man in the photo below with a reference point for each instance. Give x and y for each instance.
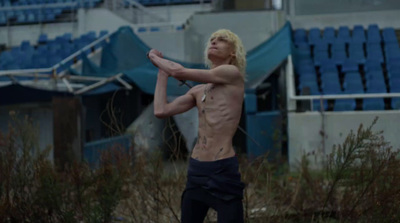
(213, 175)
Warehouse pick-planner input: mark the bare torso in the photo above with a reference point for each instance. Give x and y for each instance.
(219, 107)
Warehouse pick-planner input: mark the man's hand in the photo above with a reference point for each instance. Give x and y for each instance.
(154, 52)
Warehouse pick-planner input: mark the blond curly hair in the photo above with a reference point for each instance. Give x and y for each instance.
(240, 53)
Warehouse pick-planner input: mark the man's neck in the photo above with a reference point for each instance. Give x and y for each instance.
(216, 63)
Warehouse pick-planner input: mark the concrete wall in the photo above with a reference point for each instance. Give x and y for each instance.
(253, 27)
(305, 132)
(388, 18)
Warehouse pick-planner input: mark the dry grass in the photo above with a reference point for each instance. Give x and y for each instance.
(360, 183)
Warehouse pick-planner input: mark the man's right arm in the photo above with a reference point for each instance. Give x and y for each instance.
(162, 108)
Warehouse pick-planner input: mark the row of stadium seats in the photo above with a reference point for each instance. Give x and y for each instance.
(340, 63)
(47, 53)
(8, 3)
(36, 15)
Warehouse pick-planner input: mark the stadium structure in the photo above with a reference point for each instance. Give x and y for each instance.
(316, 71)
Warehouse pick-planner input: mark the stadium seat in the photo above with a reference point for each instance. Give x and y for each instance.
(21, 18)
(320, 56)
(320, 46)
(373, 34)
(376, 86)
(372, 65)
(358, 34)
(103, 33)
(395, 86)
(339, 45)
(344, 34)
(353, 88)
(353, 77)
(317, 105)
(395, 103)
(373, 104)
(344, 105)
(3, 19)
(300, 36)
(327, 66)
(394, 74)
(329, 35)
(339, 57)
(356, 52)
(389, 35)
(306, 69)
(314, 36)
(350, 65)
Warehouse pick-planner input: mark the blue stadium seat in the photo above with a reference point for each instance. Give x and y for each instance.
(339, 57)
(353, 77)
(329, 35)
(300, 36)
(320, 56)
(358, 34)
(303, 46)
(353, 88)
(308, 78)
(395, 103)
(103, 33)
(321, 46)
(154, 29)
(372, 104)
(328, 65)
(389, 35)
(331, 88)
(373, 34)
(376, 86)
(31, 18)
(305, 69)
(21, 18)
(395, 85)
(302, 51)
(372, 65)
(344, 34)
(317, 105)
(339, 45)
(344, 105)
(394, 74)
(67, 36)
(50, 17)
(313, 88)
(375, 55)
(350, 65)
(314, 36)
(330, 83)
(3, 19)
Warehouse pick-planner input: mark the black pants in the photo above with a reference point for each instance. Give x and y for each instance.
(196, 202)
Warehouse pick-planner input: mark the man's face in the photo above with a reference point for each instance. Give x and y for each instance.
(219, 47)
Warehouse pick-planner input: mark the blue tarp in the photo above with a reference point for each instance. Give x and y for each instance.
(126, 53)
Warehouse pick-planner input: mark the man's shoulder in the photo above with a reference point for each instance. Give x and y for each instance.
(230, 71)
